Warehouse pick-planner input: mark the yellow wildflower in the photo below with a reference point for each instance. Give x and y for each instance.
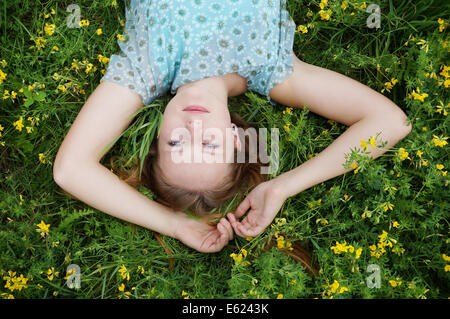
(84, 23)
(124, 272)
(302, 29)
(441, 24)
(418, 96)
(403, 154)
(387, 206)
(49, 28)
(99, 31)
(51, 272)
(19, 124)
(43, 228)
(2, 76)
(325, 15)
(439, 141)
(42, 158)
(364, 144)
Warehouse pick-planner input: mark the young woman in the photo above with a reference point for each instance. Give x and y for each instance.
(204, 52)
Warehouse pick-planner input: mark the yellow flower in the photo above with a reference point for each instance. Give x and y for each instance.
(124, 272)
(15, 283)
(334, 286)
(51, 272)
(344, 5)
(99, 31)
(441, 24)
(84, 23)
(302, 29)
(120, 37)
(419, 153)
(418, 96)
(372, 142)
(395, 224)
(140, 269)
(439, 166)
(439, 141)
(447, 268)
(102, 59)
(280, 296)
(358, 253)
(49, 28)
(395, 283)
(42, 158)
(364, 144)
(2, 76)
(325, 15)
(403, 154)
(323, 3)
(19, 124)
(121, 287)
(43, 228)
(389, 85)
(387, 205)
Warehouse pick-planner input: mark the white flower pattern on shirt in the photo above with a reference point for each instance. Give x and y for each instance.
(171, 43)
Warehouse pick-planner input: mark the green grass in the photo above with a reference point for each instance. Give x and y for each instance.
(317, 218)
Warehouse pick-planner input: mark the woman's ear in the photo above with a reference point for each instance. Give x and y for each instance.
(237, 140)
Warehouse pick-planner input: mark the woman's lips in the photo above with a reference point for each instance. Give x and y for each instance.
(195, 108)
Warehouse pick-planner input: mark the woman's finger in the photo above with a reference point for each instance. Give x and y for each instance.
(242, 208)
(228, 227)
(234, 224)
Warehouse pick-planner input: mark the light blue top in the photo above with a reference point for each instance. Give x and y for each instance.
(171, 43)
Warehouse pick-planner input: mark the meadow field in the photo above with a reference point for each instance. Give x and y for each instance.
(379, 231)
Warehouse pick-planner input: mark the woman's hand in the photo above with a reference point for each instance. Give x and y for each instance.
(201, 236)
(264, 201)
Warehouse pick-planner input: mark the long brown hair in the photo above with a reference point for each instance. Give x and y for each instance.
(244, 176)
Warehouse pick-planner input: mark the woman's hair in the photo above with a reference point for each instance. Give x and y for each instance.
(243, 176)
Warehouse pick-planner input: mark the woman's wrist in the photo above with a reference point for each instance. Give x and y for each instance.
(178, 218)
(279, 188)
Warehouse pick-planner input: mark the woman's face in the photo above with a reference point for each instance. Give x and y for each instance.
(196, 148)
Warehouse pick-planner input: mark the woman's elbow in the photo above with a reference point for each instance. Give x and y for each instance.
(404, 128)
(60, 169)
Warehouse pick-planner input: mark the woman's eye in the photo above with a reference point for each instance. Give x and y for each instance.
(173, 143)
(210, 145)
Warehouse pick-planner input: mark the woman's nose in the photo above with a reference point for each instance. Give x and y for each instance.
(193, 124)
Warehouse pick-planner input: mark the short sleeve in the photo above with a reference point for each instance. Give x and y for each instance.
(281, 67)
(132, 67)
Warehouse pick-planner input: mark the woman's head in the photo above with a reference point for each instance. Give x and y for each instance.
(195, 149)
(195, 168)
(237, 178)
(193, 162)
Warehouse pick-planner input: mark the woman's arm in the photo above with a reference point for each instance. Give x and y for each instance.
(334, 96)
(77, 167)
(342, 99)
